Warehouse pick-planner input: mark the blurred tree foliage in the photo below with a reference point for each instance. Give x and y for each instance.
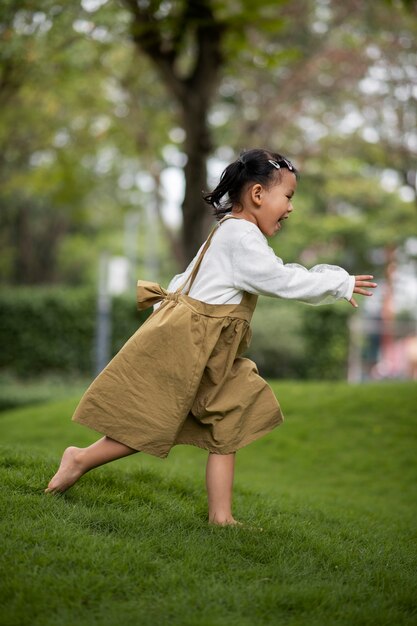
(88, 124)
(69, 145)
(342, 104)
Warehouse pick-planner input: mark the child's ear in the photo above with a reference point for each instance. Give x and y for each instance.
(256, 194)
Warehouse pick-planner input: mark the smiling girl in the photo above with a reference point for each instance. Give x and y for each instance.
(180, 379)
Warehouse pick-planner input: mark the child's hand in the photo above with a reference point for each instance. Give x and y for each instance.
(360, 282)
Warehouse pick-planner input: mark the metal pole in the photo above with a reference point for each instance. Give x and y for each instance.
(151, 252)
(132, 220)
(103, 319)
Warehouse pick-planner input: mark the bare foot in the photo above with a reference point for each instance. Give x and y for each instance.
(229, 521)
(233, 522)
(69, 471)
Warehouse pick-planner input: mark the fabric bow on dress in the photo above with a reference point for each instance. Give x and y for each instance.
(149, 293)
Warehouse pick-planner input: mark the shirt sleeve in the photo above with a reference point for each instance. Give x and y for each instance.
(258, 270)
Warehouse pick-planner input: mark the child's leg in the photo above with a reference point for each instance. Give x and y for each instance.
(219, 482)
(77, 461)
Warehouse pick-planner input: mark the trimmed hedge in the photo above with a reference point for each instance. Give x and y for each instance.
(326, 336)
(44, 330)
(51, 330)
(295, 341)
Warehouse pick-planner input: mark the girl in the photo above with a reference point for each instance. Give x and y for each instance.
(180, 378)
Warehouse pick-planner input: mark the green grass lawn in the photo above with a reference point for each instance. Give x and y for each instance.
(334, 489)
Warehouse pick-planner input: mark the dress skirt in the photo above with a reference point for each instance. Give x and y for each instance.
(180, 379)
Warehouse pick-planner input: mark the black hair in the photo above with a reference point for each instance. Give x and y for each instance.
(252, 166)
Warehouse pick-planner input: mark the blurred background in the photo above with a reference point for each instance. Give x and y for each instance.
(115, 116)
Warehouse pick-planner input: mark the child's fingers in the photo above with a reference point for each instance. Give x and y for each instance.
(363, 277)
(363, 292)
(362, 284)
(365, 283)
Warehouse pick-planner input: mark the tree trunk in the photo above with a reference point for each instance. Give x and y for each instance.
(193, 94)
(196, 212)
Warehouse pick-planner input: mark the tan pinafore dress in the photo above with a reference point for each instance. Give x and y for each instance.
(180, 378)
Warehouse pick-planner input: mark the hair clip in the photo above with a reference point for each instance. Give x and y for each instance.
(285, 162)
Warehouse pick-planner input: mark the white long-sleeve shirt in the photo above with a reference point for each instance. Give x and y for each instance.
(239, 259)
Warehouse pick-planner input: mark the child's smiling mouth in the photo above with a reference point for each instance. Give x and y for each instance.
(279, 222)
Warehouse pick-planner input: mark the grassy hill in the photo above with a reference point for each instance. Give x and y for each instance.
(333, 488)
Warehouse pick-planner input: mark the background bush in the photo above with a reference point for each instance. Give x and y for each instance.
(51, 330)
(326, 336)
(292, 340)
(278, 346)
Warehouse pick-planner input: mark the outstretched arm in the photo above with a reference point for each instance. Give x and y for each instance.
(361, 282)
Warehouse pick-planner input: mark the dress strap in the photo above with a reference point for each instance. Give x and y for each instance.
(190, 280)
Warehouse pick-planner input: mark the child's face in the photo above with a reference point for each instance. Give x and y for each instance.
(274, 204)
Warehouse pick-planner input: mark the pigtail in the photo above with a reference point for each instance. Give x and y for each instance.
(221, 198)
